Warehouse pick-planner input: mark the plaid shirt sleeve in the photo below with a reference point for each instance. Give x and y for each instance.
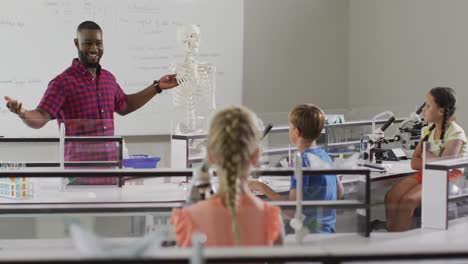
(120, 98)
(53, 98)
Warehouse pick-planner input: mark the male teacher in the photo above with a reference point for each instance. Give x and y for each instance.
(85, 97)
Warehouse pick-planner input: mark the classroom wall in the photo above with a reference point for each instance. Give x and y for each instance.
(357, 57)
(399, 49)
(295, 51)
(363, 56)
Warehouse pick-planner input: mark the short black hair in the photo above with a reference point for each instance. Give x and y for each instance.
(88, 25)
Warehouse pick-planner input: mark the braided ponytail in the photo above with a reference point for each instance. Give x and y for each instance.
(233, 138)
(443, 129)
(231, 169)
(444, 98)
(426, 137)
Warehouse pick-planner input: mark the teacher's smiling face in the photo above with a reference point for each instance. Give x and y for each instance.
(90, 47)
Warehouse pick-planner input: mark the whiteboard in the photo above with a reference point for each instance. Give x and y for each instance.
(139, 46)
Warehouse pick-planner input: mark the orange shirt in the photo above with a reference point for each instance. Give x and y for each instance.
(259, 222)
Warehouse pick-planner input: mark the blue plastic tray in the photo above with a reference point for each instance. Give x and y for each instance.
(141, 162)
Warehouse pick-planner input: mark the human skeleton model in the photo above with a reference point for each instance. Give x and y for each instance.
(196, 91)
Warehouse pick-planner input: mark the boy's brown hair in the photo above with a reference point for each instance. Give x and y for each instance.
(309, 119)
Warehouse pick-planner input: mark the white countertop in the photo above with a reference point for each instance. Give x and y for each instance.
(395, 169)
(48, 191)
(454, 239)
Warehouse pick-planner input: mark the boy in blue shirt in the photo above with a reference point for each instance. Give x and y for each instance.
(306, 123)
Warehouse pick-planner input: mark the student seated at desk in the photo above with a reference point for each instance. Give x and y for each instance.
(234, 216)
(306, 123)
(405, 197)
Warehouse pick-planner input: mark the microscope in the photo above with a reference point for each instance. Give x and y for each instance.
(410, 132)
(201, 187)
(371, 144)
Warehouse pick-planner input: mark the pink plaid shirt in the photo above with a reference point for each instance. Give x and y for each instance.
(86, 105)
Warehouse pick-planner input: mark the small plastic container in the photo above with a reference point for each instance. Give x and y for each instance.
(141, 162)
(16, 188)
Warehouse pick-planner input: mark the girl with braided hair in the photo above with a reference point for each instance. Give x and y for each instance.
(446, 138)
(233, 216)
